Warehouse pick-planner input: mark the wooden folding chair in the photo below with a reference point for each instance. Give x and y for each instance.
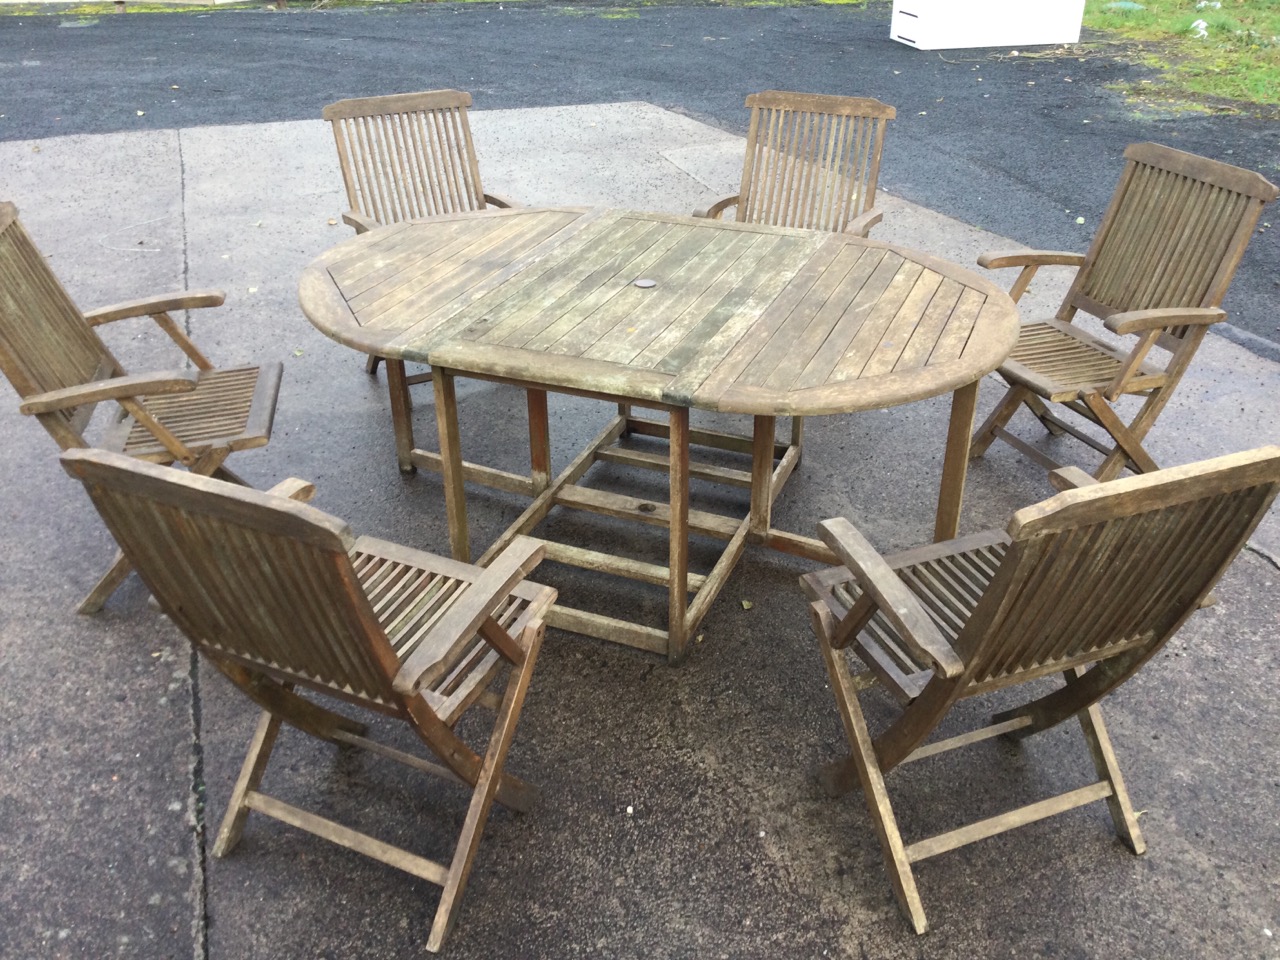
(404, 157)
(278, 596)
(812, 161)
(62, 370)
(1156, 273)
(1089, 584)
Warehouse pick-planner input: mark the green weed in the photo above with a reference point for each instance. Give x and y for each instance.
(1238, 58)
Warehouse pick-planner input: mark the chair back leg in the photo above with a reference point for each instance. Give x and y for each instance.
(985, 435)
(1108, 768)
(251, 771)
(106, 586)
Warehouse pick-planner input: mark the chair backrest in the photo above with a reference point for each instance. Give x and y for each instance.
(812, 161)
(407, 155)
(45, 342)
(1173, 235)
(248, 577)
(1115, 568)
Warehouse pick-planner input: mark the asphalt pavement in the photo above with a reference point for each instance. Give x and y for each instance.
(1022, 145)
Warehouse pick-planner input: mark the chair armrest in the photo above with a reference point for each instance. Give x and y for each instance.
(462, 620)
(359, 222)
(1139, 321)
(294, 489)
(720, 206)
(498, 200)
(995, 259)
(114, 388)
(899, 605)
(861, 225)
(1070, 478)
(157, 308)
(161, 303)
(1030, 261)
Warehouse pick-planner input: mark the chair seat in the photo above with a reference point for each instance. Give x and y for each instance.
(410, 590)
(230, 409)
(1061, 362)
(949, 578)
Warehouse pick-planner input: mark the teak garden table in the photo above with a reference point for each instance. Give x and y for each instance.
(668, 313)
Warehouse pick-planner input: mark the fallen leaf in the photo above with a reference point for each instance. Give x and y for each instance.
(699, 638)
(298, 352)
(253, 289)
(747, 604)
(1079, 219)
(142, 113)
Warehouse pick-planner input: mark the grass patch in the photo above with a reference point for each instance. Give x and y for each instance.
(1238, 58)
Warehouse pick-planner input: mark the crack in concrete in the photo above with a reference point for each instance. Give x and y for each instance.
(1264, 553)
(199, 853)
(199, 880)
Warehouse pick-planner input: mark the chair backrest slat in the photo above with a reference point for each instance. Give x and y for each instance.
(1103, 570)
(811, 161)
(1173, 235)
(407, 155)
(243, 574)
(45, 342)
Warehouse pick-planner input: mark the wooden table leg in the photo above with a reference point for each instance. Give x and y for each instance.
(761, 478)
(455, 496)
(678, 549)
(539, 440)
(401, 414)
(955, 462)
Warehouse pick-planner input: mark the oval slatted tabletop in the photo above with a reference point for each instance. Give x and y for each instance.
(731, 317)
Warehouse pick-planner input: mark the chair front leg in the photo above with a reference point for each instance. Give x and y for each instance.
(209, 464)
(865, 762)
(486, 787)
(1128, 438)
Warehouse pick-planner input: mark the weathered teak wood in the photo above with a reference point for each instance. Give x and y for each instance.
(281, 597)
(811, 161)
(404, 157)
(55, 360)
(1089, 584)
(741, 318)
(1156, 273)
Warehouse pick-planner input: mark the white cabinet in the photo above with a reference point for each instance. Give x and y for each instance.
(943, 24)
